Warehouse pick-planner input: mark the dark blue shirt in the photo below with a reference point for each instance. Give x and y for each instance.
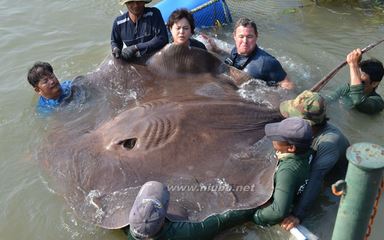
(46, 106)
(149, 33)
(260, 65)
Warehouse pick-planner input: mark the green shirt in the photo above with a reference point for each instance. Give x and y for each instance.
(354, 96)
(290, 176)
(206, 229)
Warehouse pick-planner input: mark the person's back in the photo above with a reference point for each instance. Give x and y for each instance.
(329, 147)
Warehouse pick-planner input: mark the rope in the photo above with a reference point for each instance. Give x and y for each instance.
(375, 207)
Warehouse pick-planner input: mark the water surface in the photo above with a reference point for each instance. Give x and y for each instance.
(74, 37)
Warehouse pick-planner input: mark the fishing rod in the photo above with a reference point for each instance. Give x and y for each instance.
(320, 84)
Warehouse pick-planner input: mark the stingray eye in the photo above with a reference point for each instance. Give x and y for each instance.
(128, 143)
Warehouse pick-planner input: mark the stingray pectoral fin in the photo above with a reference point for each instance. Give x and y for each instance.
(238, 76)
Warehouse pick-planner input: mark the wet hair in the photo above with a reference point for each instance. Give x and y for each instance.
(179, 14)
(245, 22)
(38, 71)
(373, 68)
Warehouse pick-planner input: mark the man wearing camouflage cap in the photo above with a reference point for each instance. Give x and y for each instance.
(139, 32)
(329, 145)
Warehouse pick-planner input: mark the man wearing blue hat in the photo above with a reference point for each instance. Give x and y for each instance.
(291, 138)
(139, 32)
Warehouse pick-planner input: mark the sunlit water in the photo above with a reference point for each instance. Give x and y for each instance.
(74, 36)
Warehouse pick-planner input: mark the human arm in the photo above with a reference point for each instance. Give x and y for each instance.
(286, 83)
(212, 45)
(283, 196)
(341, 91)
(215, 224)
(116, 41)
(206, 229)
(274, 74)
(369, 104)
(353, 59)
(366, 103)
(330, 148)
(290, 222)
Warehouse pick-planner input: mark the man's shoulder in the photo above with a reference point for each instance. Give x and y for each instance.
(264, 58)
(66, 84)
(330, 137)
(151, 11)
(46, 106)
(330, 129)
(123, 18)
(376, 95)
(261, 53)
(295, 162)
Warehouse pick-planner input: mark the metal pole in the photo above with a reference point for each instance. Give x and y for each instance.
(365, 170)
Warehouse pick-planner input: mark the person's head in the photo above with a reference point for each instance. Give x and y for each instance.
(292, 135)
(135, 7)
(307, 105)
(245, 36)
(372, 72)
(44, 81)
(182, 26)
(149, 209)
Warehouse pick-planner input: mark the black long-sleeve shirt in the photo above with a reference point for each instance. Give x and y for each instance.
(149, 33)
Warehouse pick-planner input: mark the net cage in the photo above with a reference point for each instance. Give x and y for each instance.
(223, 12)
(212, 13)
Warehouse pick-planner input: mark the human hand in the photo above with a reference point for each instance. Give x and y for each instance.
(289, 222)
(116, 52)
(211, 44)
(129, 52)
(354, 57)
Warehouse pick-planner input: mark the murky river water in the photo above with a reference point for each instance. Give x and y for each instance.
(74, 36)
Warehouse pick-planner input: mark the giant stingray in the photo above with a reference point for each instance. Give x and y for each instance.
(178, 120)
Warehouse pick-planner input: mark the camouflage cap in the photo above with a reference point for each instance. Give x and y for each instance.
(308, 105)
